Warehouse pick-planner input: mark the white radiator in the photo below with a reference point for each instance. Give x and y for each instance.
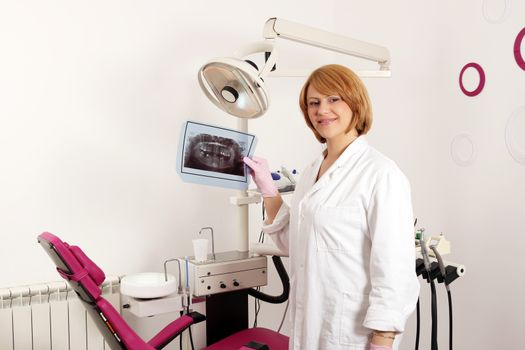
(50, 317)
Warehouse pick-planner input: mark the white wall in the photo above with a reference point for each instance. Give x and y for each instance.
(93, 99)
(93, 96)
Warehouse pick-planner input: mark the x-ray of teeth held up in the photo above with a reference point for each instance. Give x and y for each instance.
(211, 155)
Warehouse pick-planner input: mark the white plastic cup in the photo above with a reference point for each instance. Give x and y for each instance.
(200, 249)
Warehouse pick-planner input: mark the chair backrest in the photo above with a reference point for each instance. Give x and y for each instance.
(85, 277)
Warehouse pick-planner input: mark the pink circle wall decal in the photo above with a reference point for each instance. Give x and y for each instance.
(517, 49)
(481, 83)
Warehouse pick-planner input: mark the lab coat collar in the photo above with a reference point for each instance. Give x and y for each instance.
(356, 147)
(345, 159)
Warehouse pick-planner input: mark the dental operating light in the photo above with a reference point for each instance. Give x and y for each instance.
(237, 87)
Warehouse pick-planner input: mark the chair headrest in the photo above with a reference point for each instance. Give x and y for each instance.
(74, 265)
(92, 269)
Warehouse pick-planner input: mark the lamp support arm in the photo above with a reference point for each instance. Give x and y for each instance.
(279, 28)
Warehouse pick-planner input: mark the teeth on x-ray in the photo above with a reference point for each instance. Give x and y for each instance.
(214, 153)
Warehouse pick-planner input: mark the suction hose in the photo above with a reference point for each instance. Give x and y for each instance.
(283, 275)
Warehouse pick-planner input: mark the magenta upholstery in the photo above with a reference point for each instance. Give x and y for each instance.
(76, 272)
(120, 328)
(172, 328)
(92, 269)
(85, 277)
(274, 340)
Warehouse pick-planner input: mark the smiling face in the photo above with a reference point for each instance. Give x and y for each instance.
(336, 91)
(329, 115)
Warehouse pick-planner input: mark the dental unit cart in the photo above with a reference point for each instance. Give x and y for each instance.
(224, 282)
(229, 271)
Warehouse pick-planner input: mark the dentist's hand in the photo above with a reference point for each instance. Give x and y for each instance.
(262, 176)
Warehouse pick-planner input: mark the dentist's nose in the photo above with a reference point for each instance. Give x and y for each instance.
(323, 108)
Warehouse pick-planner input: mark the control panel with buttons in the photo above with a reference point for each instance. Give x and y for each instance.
(228, 271)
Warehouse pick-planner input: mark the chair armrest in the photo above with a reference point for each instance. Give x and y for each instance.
(174, 329)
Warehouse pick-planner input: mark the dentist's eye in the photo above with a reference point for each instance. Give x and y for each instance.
(333, 99)
(313, 103)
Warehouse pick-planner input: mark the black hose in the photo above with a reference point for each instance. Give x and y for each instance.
(283, 275)
(418, 324)
(449, 319)
(191, 338)
(434, 343)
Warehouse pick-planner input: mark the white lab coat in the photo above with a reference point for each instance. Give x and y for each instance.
(350, 239)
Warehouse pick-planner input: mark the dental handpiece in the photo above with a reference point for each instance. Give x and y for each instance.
(426, 261)
(424, 250)
(288, 175)
(441, 265)
(187, 300)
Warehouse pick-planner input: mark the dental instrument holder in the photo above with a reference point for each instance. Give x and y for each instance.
(439, 242)
(436, 268)
(435, 247)
(426, 260)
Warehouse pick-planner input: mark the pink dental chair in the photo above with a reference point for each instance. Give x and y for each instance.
(85, 277)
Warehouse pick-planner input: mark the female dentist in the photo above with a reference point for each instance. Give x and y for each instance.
(349, 228)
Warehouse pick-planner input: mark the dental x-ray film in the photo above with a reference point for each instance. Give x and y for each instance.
(212, 155)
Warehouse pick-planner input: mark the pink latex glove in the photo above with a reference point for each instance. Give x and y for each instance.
(379, 347)
(261, 175)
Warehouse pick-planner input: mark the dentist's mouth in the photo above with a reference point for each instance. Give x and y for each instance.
(325, 122)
